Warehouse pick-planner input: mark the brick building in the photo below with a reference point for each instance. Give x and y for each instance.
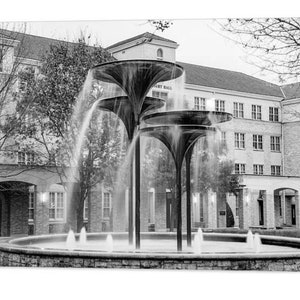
(262, 139)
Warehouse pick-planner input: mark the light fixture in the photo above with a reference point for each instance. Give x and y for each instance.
(194, 199)
(247, 199)
(43, 197)
(212, 199)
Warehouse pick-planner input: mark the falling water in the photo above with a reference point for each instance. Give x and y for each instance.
(257, 243)
(124, 170)
(198, 242)
(82, 236)
(71, 240)
(109, 243)
(82, 133)
(250, 242)
(176, 134)
(210, 104)
(177, 95)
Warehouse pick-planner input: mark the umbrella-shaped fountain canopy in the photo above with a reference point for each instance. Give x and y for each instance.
(124, 110)
(179, 130)
(136, 78)
(177, 138)
(187, 117)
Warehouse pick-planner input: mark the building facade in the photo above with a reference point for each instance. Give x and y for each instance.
(263, 140)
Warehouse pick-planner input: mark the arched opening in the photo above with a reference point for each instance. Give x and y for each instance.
(159, 54)
(286, 204)
(17, 208)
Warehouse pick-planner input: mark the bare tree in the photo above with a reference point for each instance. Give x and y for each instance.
(12, 55)
(160, 25)
(273, 43)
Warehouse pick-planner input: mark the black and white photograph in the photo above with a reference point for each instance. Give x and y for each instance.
(156, 143)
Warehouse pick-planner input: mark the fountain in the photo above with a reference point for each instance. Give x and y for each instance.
(135, 78)
(198, 242)
(178, 130)
(70, 243)
(109, 243)
(82, 236)
(250, 239)
(257, 243)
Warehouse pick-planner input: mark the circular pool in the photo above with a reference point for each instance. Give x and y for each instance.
(158, 250)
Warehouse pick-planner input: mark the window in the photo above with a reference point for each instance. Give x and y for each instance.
(21, 158)
(280, 207)
(219, 105)
(275, 170)
(199, 103)
(158, 94)
(275, 143)
(31, 206)
(86, 210)
(240, 168)
(223, 138)
(23, 79)
(258, 169)
(25, 158)
(22, 86)
(257, 142)
(56, 206)
(164, 95)
(106, 205)
(201, 208)
(30, 158)
(273, 114)
(256, 112)
(151, 206)
(237, 206)
(238, 110)
(159, 54)
(239, 140)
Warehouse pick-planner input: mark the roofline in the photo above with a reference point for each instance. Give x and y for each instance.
(282, 91)
(42, 37)
(291, 101)
(232, 92)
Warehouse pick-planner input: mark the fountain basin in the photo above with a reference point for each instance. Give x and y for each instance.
(220, 251)
(187, 117)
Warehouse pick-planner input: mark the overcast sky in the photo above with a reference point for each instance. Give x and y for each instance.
(199, 37)
(201, 41)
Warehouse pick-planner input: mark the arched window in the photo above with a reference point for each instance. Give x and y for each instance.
(159, 54)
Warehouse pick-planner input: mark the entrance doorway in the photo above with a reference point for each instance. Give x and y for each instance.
(261, 212)
(293, 214)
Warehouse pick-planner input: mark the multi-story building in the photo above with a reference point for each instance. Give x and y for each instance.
(262, 140)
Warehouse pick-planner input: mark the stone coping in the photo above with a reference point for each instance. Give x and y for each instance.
(25, 246)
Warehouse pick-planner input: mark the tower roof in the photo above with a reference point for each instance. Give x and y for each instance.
(147, 36)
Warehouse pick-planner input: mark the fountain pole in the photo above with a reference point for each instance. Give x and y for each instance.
(188, 157)
(130, 205)
(137, 192)
(178, 206)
